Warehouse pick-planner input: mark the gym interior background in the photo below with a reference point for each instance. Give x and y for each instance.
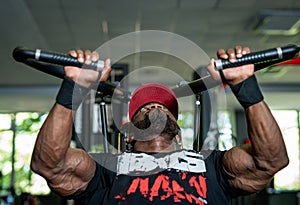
(60, 25)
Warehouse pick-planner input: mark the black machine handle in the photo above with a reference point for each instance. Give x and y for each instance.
(53, 64)
(21, 54)
(261, 59)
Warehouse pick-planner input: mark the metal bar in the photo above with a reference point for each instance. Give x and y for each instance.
(104, 125)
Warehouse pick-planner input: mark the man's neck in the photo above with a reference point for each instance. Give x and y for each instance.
(158, 144)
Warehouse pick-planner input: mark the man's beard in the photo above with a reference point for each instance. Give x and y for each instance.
(155, 122)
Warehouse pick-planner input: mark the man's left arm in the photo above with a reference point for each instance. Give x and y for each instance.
(251, 167)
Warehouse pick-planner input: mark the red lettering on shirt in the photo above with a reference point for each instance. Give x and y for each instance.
(144, 186)
(178, 190)
(201, 190)
(164, 188)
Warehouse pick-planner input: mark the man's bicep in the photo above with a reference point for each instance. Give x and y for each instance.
(75, 175)
(241, 169)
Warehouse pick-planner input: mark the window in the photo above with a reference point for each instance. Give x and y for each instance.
(226, 139)
(289, 177)
(18, 133)
(186, 123)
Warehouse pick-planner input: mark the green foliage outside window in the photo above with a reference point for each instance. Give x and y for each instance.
(21, 130)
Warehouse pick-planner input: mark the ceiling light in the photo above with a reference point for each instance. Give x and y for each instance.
(104, 26)
(278, 22)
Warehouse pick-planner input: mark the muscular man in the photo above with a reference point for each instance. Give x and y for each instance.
(157, 172)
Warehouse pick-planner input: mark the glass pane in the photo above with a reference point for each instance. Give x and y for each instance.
(27, 125)
(5, 160)
(186, 123)
(5, 120)
(225, 140)
(289, 177)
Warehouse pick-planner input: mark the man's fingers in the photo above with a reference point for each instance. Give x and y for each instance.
(80, 56)
(212, 70)
(95, 56)
(221, 53)
(88, 57)
(106, 70)
(73, 53)
(231, 55)
(238, 51)
(232, 75)
(83, 76)
(246, 50)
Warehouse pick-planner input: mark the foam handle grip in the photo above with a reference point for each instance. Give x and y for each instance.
(261, 57)
(66, 60)
(22, 54)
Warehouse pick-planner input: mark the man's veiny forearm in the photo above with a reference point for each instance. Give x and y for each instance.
(251, 167)
(66, 170)
(53, 140)
(269, 151)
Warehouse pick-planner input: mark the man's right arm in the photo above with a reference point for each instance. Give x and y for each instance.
(67, 170)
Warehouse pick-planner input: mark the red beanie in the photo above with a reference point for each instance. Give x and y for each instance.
(153, 93)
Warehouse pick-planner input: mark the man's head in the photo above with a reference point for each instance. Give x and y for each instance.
(153, 112)
(153, 93)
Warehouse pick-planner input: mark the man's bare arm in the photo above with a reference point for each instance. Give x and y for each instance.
(251, 167)
(66, 170)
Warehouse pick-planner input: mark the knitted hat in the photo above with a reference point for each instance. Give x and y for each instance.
(153, 93)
